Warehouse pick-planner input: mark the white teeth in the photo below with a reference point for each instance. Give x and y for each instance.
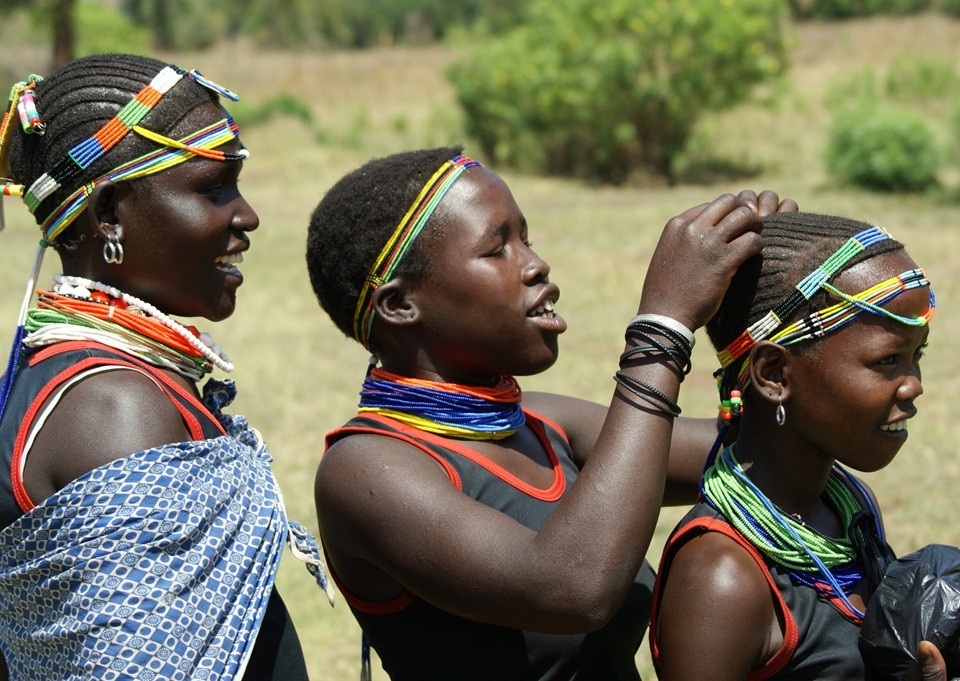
(230, 260)
(545, 310)
(895, 427)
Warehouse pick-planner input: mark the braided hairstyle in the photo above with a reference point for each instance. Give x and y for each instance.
(355, 218)
(794, 244)
(75, 101)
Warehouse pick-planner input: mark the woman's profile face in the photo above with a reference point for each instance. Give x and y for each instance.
(487, 301)
(183, 231)
(852, 396)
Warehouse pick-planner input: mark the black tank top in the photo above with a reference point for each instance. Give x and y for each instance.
(416, 640)
(277, 654)
(820, 637)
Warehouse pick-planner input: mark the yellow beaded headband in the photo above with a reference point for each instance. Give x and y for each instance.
(821, 322)
(399, 243)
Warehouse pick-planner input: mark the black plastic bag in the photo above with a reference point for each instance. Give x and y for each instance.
(917, 600)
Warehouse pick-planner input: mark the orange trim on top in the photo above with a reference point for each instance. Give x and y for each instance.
(393, 606)
(192, 423)
(791, 635)
(552, 493)
(356, 430)
(67, 346)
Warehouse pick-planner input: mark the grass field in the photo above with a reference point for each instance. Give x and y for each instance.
(299, 377)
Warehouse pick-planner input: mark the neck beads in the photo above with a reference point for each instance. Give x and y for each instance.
(448, 409)
(831, 566)
(83, 309)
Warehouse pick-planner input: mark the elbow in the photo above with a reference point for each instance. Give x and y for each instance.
(587, 608)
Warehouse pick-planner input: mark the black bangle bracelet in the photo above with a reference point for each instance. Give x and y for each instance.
(636, 386)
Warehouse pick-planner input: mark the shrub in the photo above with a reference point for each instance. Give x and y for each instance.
(100, 28)
(598, 89)
(882, 148)
(950, 7)
(846, 9)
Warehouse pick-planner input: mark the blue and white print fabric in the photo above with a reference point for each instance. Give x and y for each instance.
(157, 566)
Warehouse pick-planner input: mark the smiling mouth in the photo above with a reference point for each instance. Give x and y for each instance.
(228, 263)
(545, 310)
(898, 427)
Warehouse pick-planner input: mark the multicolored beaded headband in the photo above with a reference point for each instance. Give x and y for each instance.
(821, 322)
(172, 152)
(81, 156)
(399, 243)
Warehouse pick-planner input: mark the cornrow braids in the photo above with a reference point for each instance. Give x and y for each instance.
(353, 221)
(75, 101)
(794, 244)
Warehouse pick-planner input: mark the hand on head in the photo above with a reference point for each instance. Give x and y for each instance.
(767, 202)
(699, 252)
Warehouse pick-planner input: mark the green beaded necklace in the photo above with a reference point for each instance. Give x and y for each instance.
(826, 564)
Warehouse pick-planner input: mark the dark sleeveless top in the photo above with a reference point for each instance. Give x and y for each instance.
(277, 654)
(416, 640)
(820, 635)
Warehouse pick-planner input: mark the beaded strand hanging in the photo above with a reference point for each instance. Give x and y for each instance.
(826, 564)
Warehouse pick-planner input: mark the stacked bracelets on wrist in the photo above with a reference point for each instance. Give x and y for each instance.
(649, 334)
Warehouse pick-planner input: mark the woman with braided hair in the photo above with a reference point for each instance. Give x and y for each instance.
(140, 526)
(819, 340)
(475, 535)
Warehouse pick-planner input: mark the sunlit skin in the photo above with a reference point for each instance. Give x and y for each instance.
(173, 227)
(844, 397)
(389, 516)
(477, 303)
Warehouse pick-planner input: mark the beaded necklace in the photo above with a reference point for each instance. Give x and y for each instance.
(448, 409)
(83, 309)
(828, 565)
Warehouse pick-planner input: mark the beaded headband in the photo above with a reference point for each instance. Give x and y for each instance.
(81, 156)
(821, 322)
(399, 243)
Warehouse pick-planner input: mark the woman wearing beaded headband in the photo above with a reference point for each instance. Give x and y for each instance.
(767, 577)
(475, 535)
(140, 526)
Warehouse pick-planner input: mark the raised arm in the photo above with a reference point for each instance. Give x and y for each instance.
(396, 521)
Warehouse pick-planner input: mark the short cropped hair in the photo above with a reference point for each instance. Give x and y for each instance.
(354, 220)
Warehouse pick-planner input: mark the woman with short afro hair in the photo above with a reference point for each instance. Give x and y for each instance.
(476, 531)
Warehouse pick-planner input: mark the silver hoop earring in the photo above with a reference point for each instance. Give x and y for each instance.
(781, 412)
(112, 250)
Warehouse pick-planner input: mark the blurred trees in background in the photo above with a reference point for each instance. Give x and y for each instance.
(598, 90)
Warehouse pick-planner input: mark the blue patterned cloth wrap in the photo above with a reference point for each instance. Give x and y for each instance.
(157, 566)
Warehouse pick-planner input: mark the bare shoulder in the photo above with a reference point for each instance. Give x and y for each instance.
(716, 609)
(102, 417)
(366, 480)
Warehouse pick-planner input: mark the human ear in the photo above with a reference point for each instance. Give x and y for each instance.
(394, 304)
(102, 211)
(769, 371)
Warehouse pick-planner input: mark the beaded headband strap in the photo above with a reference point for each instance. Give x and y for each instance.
(399, 243)
(201, 143)
(827, 320)
(81, 156)
(809, 285)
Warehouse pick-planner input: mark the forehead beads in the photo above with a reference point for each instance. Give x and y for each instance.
(820, 323)
(403, 237)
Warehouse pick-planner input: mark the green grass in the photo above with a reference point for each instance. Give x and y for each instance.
(299, 377)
